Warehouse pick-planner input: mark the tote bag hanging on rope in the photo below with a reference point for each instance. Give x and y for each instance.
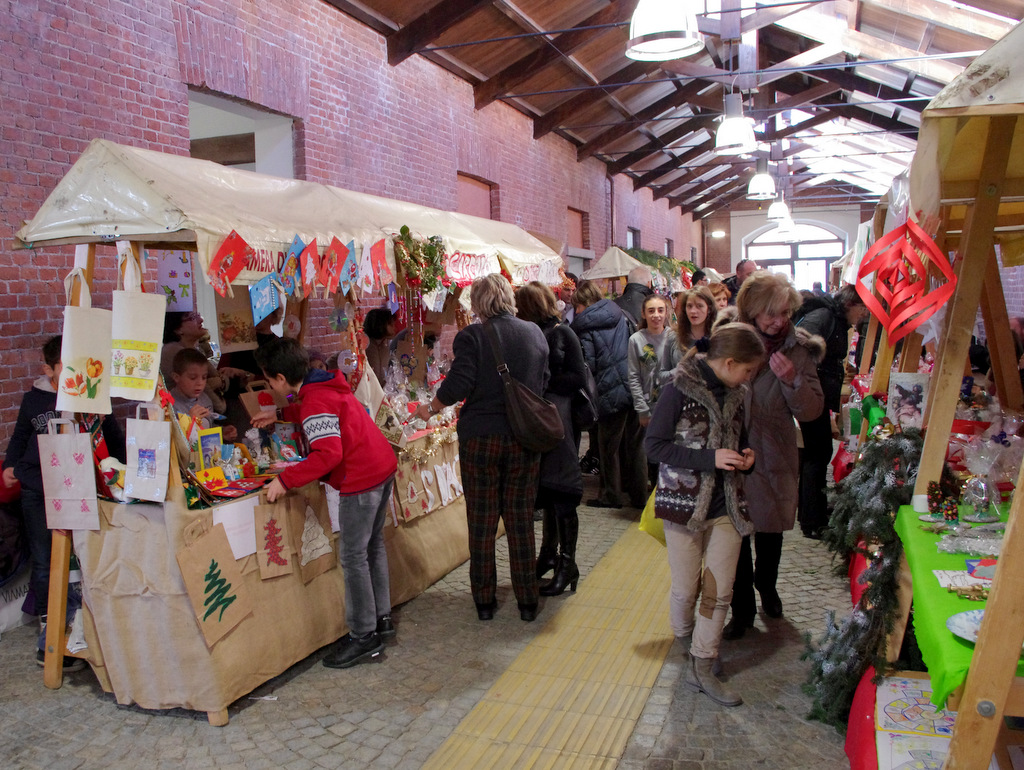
(84, 384)
(149, 455)
(69, 478)
(138, 321)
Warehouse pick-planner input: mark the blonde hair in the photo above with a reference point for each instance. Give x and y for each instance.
(684, 330)
(491, 295)
(738, 341)
(536, 302)
(765, 292)
(586, 294)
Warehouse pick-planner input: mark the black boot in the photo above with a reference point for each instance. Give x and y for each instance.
(567, 574)
(547, 555)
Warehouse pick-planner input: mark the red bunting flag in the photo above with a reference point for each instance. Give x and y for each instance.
(330, 267)
(231, 258)
(901, 280)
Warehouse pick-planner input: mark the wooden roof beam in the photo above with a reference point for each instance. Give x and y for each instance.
(554, 49)
(949, 16)
(419, 33)
(694, 124)
(628, 75)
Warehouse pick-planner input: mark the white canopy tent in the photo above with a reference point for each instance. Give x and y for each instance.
(614, 263)
(115, 192)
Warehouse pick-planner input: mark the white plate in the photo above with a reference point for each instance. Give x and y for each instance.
(932, 517)
(966, 624)
(984, 518)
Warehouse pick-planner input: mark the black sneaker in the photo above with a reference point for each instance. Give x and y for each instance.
(70, 664)
(386, 627)
(352, 650)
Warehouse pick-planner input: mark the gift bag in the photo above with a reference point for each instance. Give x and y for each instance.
(258, 398)
(149, 456)
(214, 584)
(84, 384)
(651, 525)
(273, 541)
(310, 526)
(69, 478)
(135, 352)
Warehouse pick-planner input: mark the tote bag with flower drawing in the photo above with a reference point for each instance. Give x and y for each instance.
(84, 384)
(138, 319)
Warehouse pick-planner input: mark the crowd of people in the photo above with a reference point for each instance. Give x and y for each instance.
(698, 397)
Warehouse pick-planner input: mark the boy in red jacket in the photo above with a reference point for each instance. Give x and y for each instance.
(347, 451)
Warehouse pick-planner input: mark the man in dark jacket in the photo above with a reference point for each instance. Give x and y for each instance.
(604, 336)
(638, 288)
(829, 318)
(743, 270)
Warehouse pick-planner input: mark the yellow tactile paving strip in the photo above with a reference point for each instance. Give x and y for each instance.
(592, 665)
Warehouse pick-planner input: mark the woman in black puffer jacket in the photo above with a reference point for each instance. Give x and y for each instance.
(561, 483)
(601, 327)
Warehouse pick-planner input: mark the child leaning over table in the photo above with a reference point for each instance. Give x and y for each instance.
(38, 407)
(697, 435)
(190, 370)
(348, 451)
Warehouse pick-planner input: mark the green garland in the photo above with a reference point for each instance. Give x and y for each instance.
(866, 502)
(667, 266)
(422, 261)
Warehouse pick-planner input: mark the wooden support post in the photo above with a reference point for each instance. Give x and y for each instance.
(962, 309)
(869, 345)
(994, 663)
(60, 553)
(1000, 340)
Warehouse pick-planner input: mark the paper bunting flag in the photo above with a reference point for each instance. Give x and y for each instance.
(349, 269)
(291, 275)
(366, 270)
(263, 297)
(330, 266)
(393, 298)
(310, 267)
(231, 258)
(901, 280)
(379, 259)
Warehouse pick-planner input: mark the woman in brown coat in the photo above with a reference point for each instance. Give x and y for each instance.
(785, 388)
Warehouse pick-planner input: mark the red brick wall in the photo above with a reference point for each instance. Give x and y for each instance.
(77, 70)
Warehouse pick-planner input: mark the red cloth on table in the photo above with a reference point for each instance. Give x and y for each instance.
(861, 748)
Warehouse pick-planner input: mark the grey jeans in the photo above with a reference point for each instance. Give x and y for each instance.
(363, 558)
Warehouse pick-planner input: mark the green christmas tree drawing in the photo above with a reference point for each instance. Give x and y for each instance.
(216, 591)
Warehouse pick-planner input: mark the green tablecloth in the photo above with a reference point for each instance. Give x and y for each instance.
(947, 656)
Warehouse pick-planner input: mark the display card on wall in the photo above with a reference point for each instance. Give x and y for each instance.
(263, 297)
(214, 583)
(173, 276)
(234, 323)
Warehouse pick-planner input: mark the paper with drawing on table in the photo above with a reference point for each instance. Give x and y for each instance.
(954, 578)
(239, 523)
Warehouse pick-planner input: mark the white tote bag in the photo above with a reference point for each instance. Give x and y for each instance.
(148, 443)
(84, 384)
(138, 332)
(69, 478)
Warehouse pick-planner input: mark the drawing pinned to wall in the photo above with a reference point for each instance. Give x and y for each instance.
(172, 272)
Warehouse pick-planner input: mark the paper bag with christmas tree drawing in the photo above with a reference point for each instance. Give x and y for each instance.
(310, 527)
(273, 541)
(214, 584)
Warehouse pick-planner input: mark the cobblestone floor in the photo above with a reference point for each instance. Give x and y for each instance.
(396, 713)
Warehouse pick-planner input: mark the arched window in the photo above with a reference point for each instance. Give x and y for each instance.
(805, 255)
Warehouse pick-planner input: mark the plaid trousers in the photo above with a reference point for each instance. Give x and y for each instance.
(499, 478)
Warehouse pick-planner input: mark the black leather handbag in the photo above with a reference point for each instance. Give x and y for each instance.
(584, 402)
(535, 421)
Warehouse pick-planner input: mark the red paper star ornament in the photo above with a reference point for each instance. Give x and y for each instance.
(904, 301)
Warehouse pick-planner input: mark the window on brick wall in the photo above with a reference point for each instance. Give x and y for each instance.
(477, 197)
(632, 238)
(579, 255)
(240, 135)
(669, 247)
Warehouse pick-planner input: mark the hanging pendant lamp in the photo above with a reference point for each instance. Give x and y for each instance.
(762, 186)
(778, 210)
(785, 230)
(661, 30)
(736, 133)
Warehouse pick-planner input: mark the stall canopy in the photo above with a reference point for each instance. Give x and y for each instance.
(614, 263)
(953, 139)
(115, 192)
